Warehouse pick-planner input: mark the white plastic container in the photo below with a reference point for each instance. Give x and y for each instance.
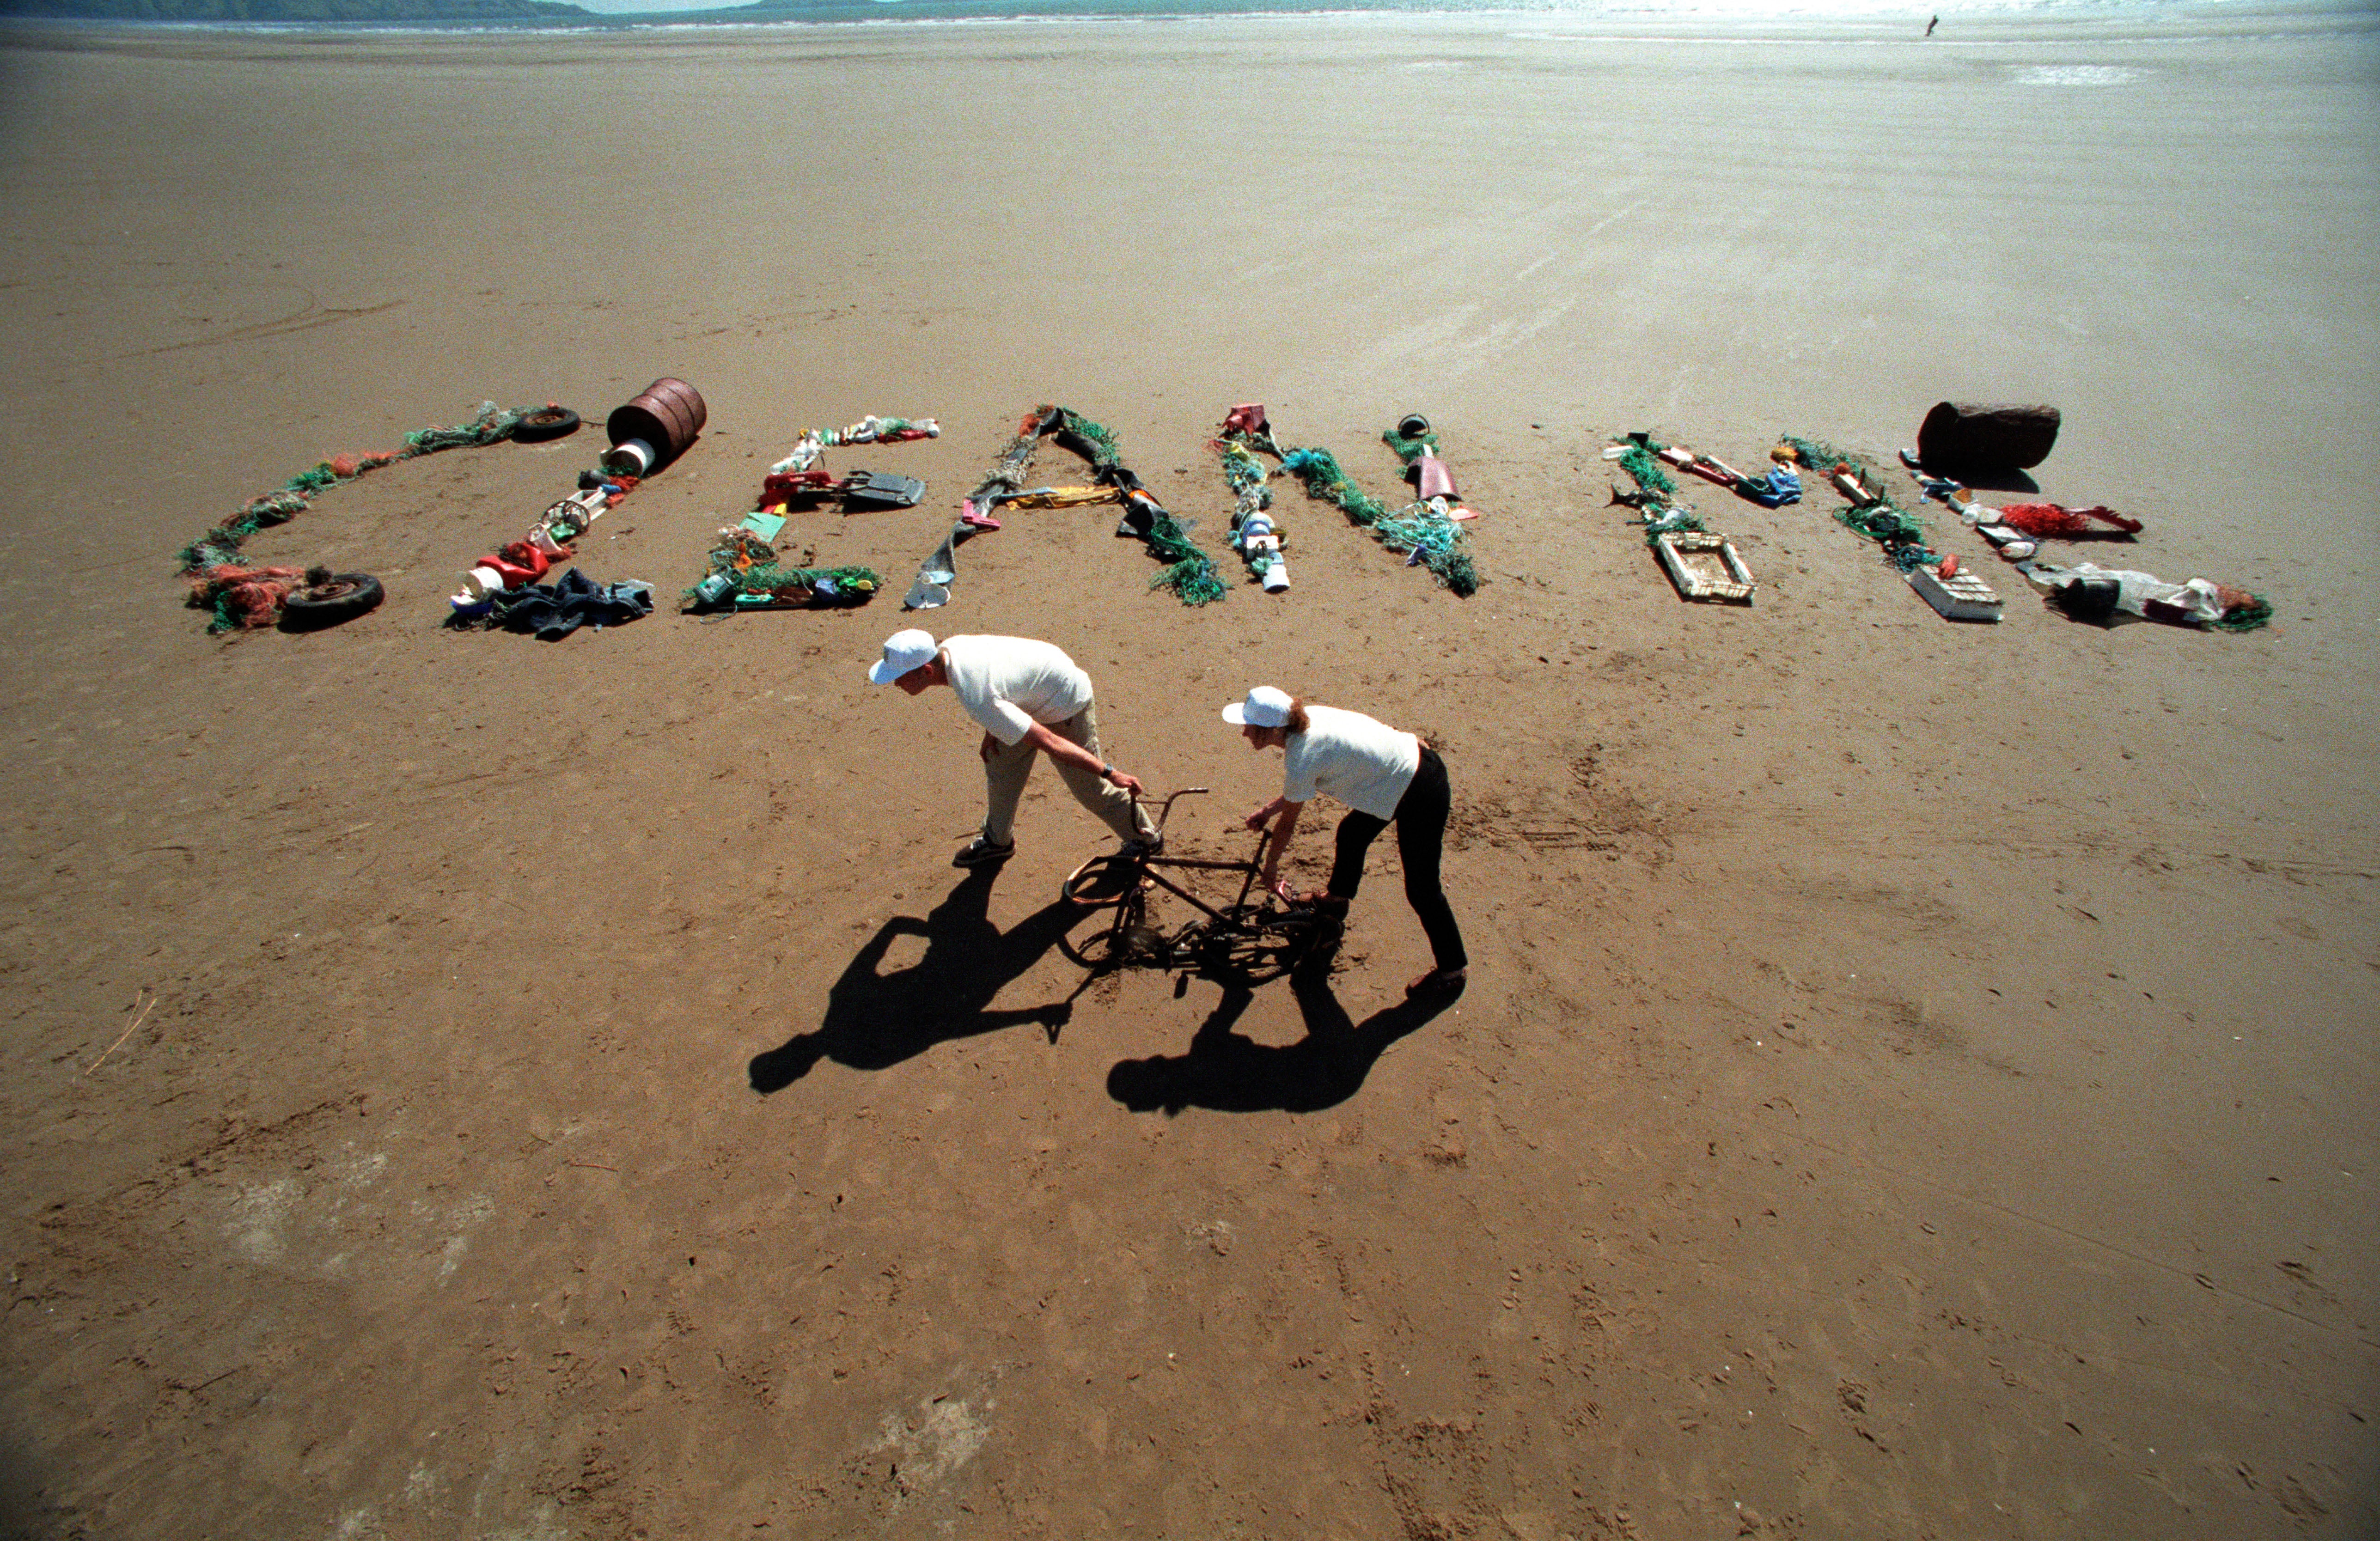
(1963, 597)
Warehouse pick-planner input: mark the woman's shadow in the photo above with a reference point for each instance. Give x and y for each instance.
(875, 1020)
(1232, 1073)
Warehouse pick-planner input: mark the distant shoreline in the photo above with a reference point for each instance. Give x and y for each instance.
(2023, 21)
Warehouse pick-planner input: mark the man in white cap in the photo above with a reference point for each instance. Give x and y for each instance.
(1030, 699)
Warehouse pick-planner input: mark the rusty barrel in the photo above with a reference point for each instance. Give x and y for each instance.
(1972, 436)
(664, 417)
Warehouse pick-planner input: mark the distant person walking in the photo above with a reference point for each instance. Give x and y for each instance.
(1384, 777)
(1030, 699)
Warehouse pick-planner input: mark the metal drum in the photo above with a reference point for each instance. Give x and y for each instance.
(655, 427)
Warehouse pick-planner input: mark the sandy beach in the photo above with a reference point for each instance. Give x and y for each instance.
(1916, 1080)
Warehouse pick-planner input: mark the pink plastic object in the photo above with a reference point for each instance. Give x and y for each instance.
(1437, 481)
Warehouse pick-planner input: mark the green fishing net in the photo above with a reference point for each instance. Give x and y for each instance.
(826, 587)
(1427, 538)
(1317, 471)
(1639, 463)
(1820, 455)
(1900, 532)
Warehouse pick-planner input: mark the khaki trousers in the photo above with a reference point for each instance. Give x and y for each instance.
(1004, 774)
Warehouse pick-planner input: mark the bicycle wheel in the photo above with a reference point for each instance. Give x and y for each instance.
(1245, 943)
(1102, 880)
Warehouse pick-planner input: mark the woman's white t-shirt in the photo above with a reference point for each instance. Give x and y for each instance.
(1010, 683)
(1364, 763)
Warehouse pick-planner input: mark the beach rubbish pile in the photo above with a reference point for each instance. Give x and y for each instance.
(513, 586)
(551, 612)
(800, 479)
(1427, 533)
(1188, 572)
(746, 573)
(930, 589)
(646, 433)
(1898, 532)
(2083, 591)
(1702, 564)
(250, 598)
(552, 538)
(1256, 534)
(1655, 497)
(2089, 592)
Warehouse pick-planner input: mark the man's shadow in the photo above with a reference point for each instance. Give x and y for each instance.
(1232, 1073)
(875, 1020)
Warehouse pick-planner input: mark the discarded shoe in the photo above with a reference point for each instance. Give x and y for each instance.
(983, 853)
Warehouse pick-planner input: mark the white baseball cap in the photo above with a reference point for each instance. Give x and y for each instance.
(1265, 708)
(904, 650)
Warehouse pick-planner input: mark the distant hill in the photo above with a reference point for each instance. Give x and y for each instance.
(351, 11)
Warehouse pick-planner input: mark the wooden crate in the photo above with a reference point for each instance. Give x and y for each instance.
(1705, 567)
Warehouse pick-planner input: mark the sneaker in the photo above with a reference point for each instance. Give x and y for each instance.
(983, 853)
(1138, 847)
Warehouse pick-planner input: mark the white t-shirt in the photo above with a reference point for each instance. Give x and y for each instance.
(1364, 763)
(1010, 683)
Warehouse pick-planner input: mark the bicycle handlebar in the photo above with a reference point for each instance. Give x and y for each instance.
(1165, 809)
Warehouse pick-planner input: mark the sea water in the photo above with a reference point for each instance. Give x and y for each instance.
(1704, 18)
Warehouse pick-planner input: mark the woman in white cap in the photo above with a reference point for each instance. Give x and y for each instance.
(1384, 777)
(1030, 699)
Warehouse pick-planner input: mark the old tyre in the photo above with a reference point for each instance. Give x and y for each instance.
(342, 597)
(546, 422)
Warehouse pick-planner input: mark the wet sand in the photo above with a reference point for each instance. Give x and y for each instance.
(1916, 1080)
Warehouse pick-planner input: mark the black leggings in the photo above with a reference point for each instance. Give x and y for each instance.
(1421, 836)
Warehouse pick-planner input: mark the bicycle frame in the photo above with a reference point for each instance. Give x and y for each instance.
(1127, 933)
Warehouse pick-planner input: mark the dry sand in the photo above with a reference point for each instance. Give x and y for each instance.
(1917, 1081)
